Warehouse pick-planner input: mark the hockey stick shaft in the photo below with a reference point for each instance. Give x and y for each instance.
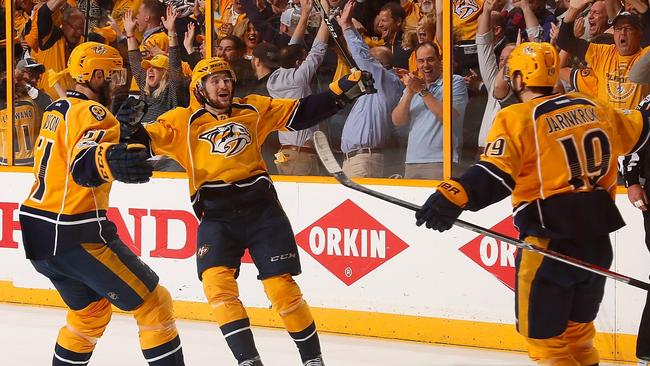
(347, 58)
(332, 166)
(335, 37)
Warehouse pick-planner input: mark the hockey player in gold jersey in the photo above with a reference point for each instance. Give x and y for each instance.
(66, 233)
(555, 154)
(218, 141)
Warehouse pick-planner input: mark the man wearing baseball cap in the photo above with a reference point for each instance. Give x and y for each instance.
(265, 61)
(610, 63)
(27, 74)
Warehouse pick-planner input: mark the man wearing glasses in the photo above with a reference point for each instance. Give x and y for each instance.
(610, 63)
(55, 43)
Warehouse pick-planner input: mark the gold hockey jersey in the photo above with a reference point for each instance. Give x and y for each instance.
(69, 126)
(611, 71)
(224, 149)
(562, 143)
(465, 18)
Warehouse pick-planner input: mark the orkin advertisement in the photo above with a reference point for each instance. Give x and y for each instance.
(358, 253)
(349, 242)
(495, 256)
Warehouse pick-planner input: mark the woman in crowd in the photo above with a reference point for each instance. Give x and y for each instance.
(159, 78)
(249, 35)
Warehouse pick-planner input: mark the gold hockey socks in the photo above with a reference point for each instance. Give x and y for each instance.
(222, 293)
(159, 340)
(574, 347)
(580, 340)
(286, 298)
(76, 341)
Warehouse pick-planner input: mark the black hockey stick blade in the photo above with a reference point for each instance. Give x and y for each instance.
(333, 167)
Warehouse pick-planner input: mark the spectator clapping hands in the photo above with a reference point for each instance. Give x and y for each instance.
(413, 83)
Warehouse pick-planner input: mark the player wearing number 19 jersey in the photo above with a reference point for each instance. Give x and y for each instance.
(556, 156)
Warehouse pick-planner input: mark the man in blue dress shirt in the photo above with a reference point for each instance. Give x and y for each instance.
(421, 109)
(368, 127)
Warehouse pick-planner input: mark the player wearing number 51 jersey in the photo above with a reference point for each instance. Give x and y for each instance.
(66, 234)
(556, 156)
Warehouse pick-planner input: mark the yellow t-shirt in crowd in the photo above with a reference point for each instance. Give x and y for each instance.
(465, 18)
(611, 70)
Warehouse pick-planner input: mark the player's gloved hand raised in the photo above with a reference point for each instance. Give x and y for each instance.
(129, 115)
(351, 86)
(443, 207)
(128, 163)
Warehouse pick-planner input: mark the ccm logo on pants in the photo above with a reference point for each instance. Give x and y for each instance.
(282, 257)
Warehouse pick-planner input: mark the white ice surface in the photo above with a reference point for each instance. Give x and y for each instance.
(27, 336)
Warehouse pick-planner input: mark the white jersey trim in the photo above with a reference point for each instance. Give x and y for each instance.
(70, 361)
(495, 176)
(236, 331)
(59, 222)
(164, 355)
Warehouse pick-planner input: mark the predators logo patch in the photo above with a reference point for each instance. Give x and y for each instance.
(228, 140)
(98, 112)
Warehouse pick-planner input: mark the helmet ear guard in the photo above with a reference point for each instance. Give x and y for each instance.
(199, 92)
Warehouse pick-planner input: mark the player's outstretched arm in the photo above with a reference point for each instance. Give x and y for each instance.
(107, 162)
(482, 185)
(317, 107)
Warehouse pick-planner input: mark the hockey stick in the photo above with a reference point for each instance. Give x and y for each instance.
(333, 167)
(335, 37)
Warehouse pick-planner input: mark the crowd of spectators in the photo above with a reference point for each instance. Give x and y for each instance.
(282, 49)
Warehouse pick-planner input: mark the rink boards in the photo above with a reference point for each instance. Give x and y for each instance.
(367, 269)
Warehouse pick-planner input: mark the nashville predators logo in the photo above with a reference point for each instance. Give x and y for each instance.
(99, 50)
(465, 9)
(228, 140)
(203, 250)
(619, 87)
(98, 112)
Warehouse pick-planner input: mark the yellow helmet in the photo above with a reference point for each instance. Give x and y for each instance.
(210, 66)
(90, 56)
(537, 62)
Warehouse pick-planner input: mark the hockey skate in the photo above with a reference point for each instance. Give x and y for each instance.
(252, 362)
(318, 361)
